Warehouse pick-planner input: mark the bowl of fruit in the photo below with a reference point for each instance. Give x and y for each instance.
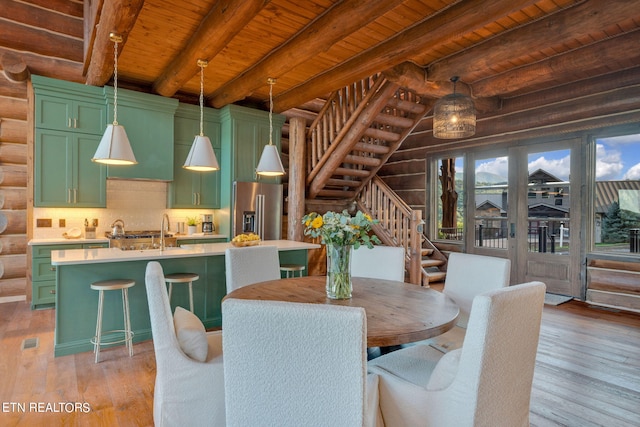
(248, 239)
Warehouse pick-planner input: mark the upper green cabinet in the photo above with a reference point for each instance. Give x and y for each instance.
(191, 189)
(70, 115)
(69, 119)
(247, 132)
(66, 106)
(148, 121)
(64, 175)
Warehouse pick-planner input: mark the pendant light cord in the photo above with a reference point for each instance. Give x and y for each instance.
(271, 82)
(201, 99)
(115, 84)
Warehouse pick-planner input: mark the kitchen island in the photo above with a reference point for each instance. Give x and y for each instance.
(76, 303)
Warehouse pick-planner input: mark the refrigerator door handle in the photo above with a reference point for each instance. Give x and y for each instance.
(260, 215)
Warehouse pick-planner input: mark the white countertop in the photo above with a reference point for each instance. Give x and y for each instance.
(102, 255)
(61, 240)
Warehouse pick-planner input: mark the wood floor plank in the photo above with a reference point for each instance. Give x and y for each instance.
(587, 372)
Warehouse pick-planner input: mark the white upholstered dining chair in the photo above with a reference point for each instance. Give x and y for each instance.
(469, 275)
(380, 262)
(487, 382)
(293, 364)
(189, 386)
(249, 265)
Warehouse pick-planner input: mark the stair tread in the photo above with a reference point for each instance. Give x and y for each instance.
(431, 262)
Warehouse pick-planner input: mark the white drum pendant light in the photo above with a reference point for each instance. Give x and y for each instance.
(114, 147)
(454, 116)
(201, 157)
(270, 163)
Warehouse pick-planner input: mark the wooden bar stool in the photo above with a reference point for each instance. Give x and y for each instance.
(182, 278)
(291, 269)
(113, 285)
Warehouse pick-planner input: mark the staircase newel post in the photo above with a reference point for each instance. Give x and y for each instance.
(297, 178)
(415, 250)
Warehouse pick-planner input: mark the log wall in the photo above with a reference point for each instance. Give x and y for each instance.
(13, 189)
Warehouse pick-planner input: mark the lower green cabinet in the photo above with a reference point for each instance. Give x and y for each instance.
(183, 242)
(43, 274)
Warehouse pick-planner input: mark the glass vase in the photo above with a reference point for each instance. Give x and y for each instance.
(339, 271)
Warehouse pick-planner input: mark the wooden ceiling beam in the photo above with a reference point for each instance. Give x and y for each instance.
(571, 23)
(341, 20)
(224, 21)
(461, 18)
(598, 56)
(117, 16)
(414, 77)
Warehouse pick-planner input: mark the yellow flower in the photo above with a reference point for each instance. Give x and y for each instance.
(317, 222)
(368, 217)
(307, 222)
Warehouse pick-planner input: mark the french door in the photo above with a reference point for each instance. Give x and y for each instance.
(522, 208)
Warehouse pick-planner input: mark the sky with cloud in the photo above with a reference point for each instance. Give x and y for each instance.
(617, 158)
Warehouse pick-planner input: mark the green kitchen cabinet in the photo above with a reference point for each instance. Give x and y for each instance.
(148, 121)
(182, 242)
(64, 175)
(191, 189)
(70, 115)
(246, 131)
(43, 274)
(67, 106)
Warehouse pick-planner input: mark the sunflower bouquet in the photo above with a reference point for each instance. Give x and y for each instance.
(341, 228)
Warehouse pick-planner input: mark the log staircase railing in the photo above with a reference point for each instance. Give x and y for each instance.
(335, 119)
(399, 224)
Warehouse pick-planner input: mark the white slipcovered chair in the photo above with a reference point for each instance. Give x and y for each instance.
(249, 265)
(469, 275)
(487, 382)
(292, 364)
(189, 389)
(380, 262)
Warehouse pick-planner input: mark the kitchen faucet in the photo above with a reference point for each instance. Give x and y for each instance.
(164, 216)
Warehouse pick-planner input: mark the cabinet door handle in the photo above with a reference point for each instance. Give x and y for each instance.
(95, 247)
(198, 198)
(75, 123)
(75, 195)
(193, 198)
(69, 123)
(68, 195)
(52, 269)
(52, 291)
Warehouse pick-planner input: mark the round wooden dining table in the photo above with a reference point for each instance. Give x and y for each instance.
(397, 312)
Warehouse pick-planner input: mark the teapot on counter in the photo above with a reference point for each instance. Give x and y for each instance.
(117, 228)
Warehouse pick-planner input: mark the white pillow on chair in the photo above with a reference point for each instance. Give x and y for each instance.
(191, 334)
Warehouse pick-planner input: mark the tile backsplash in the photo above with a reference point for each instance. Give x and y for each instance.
(140, 204)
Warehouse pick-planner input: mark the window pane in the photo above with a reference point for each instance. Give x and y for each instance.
(491, 202)
(548, 202)
(617, 194)
(450, 200)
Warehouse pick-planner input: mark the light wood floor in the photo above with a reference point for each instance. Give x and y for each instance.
(587, 373)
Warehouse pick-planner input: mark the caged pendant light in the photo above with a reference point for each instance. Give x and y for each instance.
(270, 163)
(454, 116)
(201, 157)
(114, 147)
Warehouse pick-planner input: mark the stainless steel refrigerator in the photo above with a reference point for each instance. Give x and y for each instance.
(257, 208)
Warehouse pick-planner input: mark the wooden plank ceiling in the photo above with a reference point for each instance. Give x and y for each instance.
(500, 48)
